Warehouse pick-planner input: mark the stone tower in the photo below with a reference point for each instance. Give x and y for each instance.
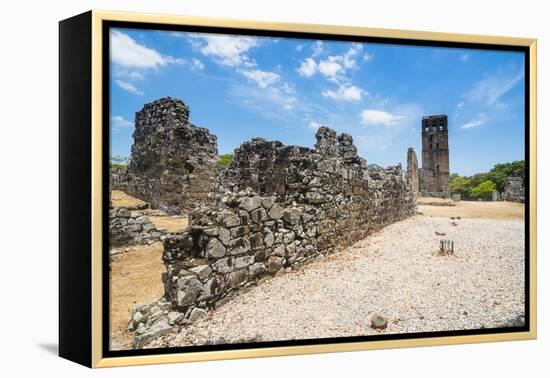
(434, 175)
(172, 160)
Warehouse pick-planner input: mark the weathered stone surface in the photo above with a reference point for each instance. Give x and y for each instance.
(243, 262)
(274, 263)
(250, 203)
(412, 171)
(514, 190)
(256, 270)
(239, 246)
(159, 328)
(127, 229)
(223, 265)
(175, 317)
(202, 271)
(237, 278)
(276, 212)
(172, 161)
(189, 288)
(378, 322)
(195, 313)
(215, 249)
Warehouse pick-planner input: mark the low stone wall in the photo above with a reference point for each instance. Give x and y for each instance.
(312, 203)
(127, 229)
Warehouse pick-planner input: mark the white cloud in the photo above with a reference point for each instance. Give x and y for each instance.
(299, 47)
(264, 79)
(128, 87)
(126, 52)
(333, 67)
(460, 105)
(464, 57)
(127, 74)
(317, 48)
(228, 50)
(288, 88)
(330, 68)
(346, 93)
(314, 125)
(268, 102)
(489, 90)
(118, 122)
(368, 57)
(307, 68)
(479, 120)
(372, 117)
(196, 64)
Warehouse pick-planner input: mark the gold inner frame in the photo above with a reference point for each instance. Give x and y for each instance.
(97, 217)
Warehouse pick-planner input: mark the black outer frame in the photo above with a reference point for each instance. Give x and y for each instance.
(75, 189)
(75, 308)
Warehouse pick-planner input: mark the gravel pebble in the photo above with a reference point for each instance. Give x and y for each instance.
(396, 273)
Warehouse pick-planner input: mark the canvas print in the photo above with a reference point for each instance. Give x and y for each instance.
(272, 189)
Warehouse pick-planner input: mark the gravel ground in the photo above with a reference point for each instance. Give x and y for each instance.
(395, 273)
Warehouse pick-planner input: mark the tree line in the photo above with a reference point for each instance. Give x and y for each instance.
(482, 185)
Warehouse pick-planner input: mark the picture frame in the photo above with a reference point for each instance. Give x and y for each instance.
(85, 188)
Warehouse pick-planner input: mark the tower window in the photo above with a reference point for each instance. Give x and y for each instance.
(440, 127)
(430, 146)
(437, 145)
(426, 129)
(434, 129)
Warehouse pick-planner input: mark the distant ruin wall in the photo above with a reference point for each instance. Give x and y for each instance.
(172, 161)
(412, 171)
(514, 190)
(300, 203)
(118, 179)
(128, 229)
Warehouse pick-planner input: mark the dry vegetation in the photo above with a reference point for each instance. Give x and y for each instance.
(135, 278)
(476, 209)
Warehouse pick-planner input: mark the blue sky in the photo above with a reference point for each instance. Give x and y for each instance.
(240, 87)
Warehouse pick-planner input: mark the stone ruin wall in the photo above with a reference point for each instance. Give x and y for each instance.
(277, 207)
(127, 229)
(118, 179)
(172, 161)
(514, 190)
(412, 171)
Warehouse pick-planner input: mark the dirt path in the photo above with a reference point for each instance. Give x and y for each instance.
(477, 209)
(396, 274)
(135, 278)
(121, 199)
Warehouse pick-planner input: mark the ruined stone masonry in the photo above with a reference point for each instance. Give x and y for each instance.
(128, 229)
(172, 160)
(514, 190)
(412, 170)
(274, 207)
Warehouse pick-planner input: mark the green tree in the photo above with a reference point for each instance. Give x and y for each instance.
(224, 160)
(484, 190)
(460, 185)
(500, 172)
(118, 161)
